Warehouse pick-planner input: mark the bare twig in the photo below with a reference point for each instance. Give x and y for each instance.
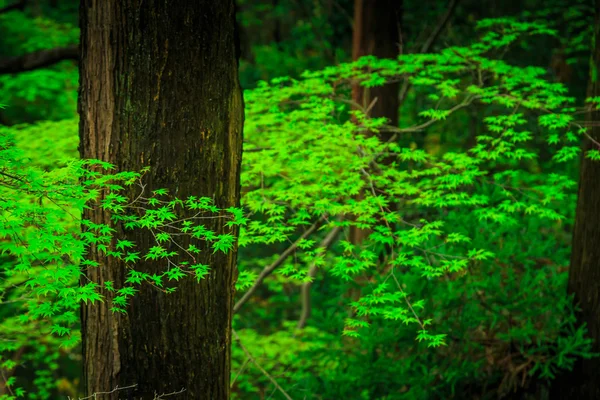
(265, 373)
(312, 271)
(439, 27)
(116, 389)
(428, 43)
(162, 396)
(242, 368)
(417, 128)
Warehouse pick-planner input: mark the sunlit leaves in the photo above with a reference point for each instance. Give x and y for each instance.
(330, 166)
(223, 243)
(309, 162)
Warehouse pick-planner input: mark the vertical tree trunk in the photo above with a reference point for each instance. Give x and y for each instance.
(277, 28)
(159, 88)
(583, 382)
(377, 32)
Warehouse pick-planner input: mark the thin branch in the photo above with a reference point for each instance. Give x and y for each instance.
(265, 373)
(5, 386)
(345, 13)
(370, 106)
(11, 176)
(407, 302)
(38, 59)
(242, 368)
(116, 389)
(268, 270)
(417, 128)
(162, 396)
(312, 271)
(19, 5)
(428, 43)
(440, 27)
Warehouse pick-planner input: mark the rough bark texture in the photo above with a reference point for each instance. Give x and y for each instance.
(159, 88)
(583, 382)
(377, 32)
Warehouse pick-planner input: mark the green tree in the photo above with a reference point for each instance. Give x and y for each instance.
(377, 32)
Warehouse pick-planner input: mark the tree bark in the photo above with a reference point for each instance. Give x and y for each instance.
(377, 32)
(159, 87)
(583, 382)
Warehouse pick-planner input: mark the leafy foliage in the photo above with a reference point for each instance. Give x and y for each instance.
(460, 279)
(306, 160)
(45, 249)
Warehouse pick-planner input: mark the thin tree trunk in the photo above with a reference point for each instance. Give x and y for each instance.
(159, 88)
(377, 32)
(583, 382)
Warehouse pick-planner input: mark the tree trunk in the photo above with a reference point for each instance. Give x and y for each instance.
(377, 32)
(159, 87)
(583, 382)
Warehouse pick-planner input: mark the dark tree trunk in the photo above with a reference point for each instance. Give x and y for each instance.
(277, 29)
(377, 32)
(583, 382)
(159, 87)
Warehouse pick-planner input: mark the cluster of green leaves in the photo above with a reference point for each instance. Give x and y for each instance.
(44, 249)
(449, 233)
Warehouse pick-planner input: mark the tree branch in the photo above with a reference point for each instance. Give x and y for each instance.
(312, 271)
(264, 372)
(440, 26)
(116, 389)
(38, 59)
(429, 42)
(269, 269)
(19, 5)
